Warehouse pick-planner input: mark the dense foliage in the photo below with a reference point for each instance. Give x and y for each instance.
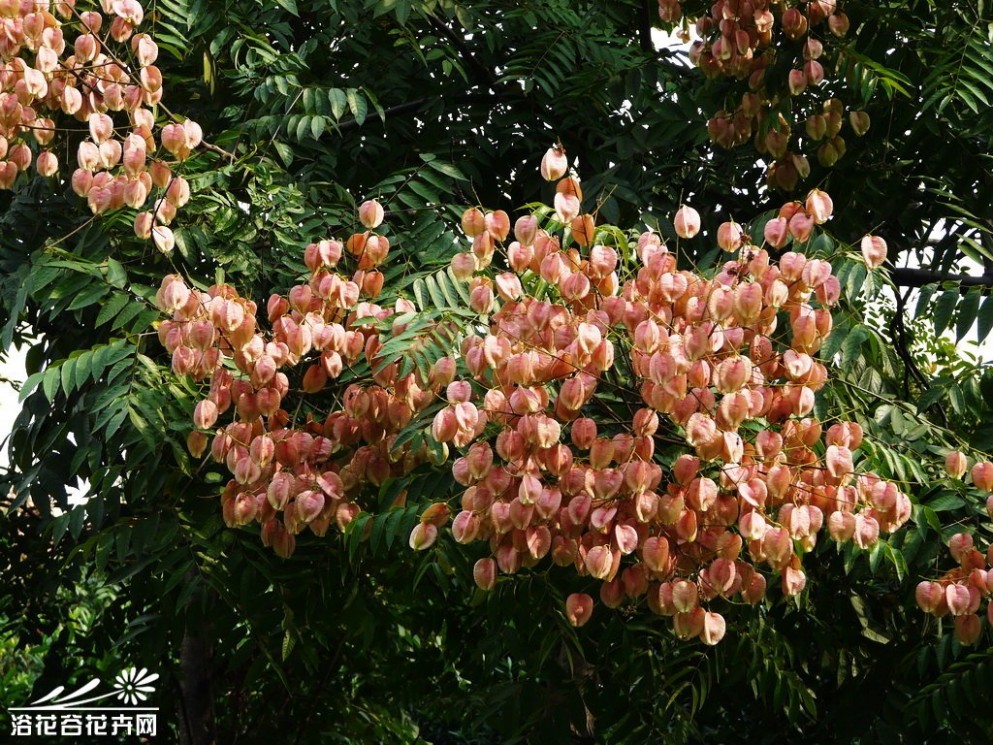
(430, 107)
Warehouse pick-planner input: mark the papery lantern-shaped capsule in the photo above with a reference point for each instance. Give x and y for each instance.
(959, 599)
(968, 628)
(481, 299)
(686, 468)
(797, 82)
(567, 206)
(729, 236)
(554, 163)
(859, 120)
(473, 222)
(956, 464)
(578, 608)
(645, 422)
(686, 222)
(445, 426)
(959, 545)
(163, 239)
(752, 526)
(685, 596)
(713, 629)
(205, 414)
(196, 443)
(625, 538)
(982, 476)
(371, 214)
(689, 625)
(603, 260)
(423, 536)
(866, 531)
(776, 232)
(519, 256)
(497, 224)
(753, 588)
(819, 206)
(655, 553)
(526, 229)
(874, 251)
(777, 545)
(465, 527)
(839, 24)
(47, 163)
(584, 433)
(458, 391)
(463, 266)
(929, 596)
(794, 580)
(841, 526)
(732, 374)
(484, 573)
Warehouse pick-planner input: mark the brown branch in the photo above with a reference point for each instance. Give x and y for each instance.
(217, 149)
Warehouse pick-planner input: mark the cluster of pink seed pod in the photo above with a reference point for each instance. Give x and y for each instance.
(570, 378)
(961, 591)
(290, 476)
(565, 471)
(738, 39)
(91, 67)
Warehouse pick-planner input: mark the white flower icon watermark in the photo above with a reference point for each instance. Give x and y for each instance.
(132, 685)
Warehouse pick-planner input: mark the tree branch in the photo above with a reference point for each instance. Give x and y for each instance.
(647, 45)
(910, 277)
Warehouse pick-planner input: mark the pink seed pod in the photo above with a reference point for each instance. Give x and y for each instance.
(713, 629)
(526, 229)
(163, 239)
(929, 596)
(685, 596)
(730, 236)
(689, 625)
(956, 464)
(873, 251)
(47, 163)
(423, 536)
(484, 573)
(497, 225)
(814, 72)
(819, 206)
(655, 553)
(578, 609)
(371, 214)
(554, 163)
(968, 628)
(958, 599)
(776, 232)
(686, 222)
(982, 476)
(959, 545)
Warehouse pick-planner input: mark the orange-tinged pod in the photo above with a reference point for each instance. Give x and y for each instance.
(578, 609)
(583, 228)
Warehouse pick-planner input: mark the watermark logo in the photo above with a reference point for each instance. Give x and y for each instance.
(78, 714)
